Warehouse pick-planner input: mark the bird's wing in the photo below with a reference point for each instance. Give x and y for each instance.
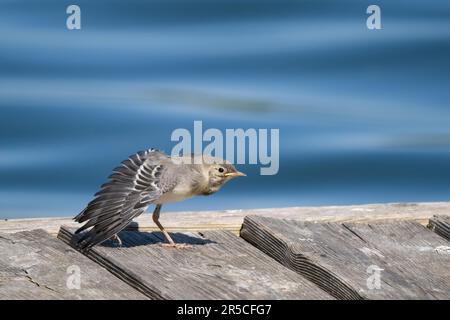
(131, 188)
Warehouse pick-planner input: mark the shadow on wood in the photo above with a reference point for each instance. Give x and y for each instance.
(134, 239)
(219, 265)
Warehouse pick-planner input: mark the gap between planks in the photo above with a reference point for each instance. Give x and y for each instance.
(413, 261)
(217, 265)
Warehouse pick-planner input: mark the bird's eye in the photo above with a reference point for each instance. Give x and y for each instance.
(221, 170)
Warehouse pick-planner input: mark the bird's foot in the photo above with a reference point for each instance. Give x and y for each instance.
(177, 245)
(116, 240)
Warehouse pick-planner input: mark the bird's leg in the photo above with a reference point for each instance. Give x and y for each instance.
(116, 238)
(171, 243)
(156, 221)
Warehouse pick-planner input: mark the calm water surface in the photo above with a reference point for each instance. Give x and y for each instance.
(364, 116)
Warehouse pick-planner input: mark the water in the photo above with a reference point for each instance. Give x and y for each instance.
(363, 115)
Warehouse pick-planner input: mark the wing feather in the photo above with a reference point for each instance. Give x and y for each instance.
(131, 188)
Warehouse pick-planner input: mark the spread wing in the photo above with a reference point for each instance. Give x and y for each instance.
(131, 188)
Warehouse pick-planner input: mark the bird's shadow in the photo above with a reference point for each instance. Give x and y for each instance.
(136, 238)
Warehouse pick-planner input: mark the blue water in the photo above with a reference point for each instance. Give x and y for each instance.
(364, 116)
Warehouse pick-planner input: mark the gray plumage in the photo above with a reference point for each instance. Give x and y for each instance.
(145, 178)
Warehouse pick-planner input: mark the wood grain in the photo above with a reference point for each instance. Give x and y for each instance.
(218, 265)
(340, 258)
(232, 219)
(441, 225)
(35, 265)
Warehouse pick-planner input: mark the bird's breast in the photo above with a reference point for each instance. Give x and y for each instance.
(179, 193)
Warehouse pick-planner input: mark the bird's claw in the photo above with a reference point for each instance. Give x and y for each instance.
(116, 241)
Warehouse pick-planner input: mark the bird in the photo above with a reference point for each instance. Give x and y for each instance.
(149, 177)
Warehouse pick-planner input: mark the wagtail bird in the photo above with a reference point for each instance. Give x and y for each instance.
(145, 178)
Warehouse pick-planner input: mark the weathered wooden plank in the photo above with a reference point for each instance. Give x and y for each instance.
(218, 265)
(441, 225)
(35, 265)
(341, 258)
(232, 219)
(421, 255)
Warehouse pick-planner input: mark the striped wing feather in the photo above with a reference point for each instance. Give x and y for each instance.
(131, 188)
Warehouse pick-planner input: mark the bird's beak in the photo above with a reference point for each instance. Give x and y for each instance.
(235, 174)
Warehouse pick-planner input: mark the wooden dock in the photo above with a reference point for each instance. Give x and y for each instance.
(385, 251)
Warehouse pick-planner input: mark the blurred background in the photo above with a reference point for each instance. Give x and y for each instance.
(364, 115)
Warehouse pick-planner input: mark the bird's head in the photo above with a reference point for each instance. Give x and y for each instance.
(219, 174)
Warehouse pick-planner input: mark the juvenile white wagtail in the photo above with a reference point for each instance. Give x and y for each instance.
(148, 177)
